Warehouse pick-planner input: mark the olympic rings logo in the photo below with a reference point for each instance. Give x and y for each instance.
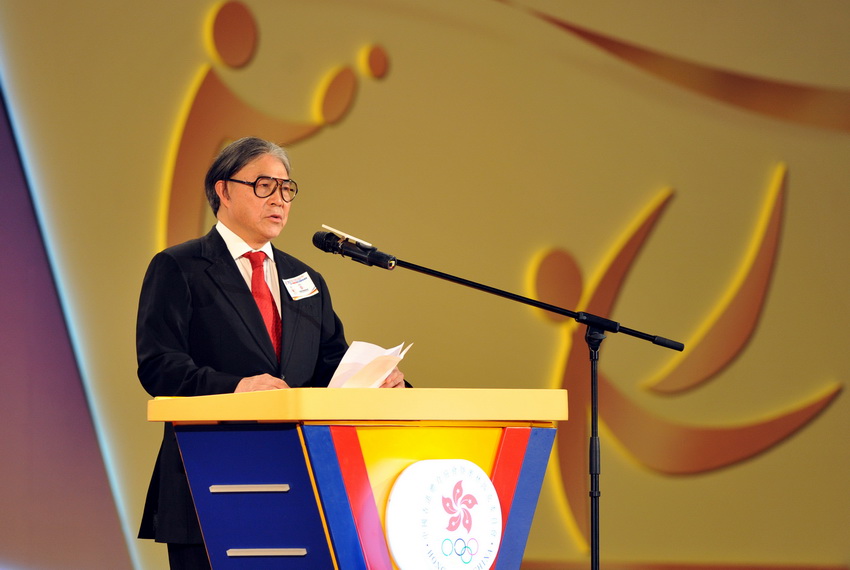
(466, 551)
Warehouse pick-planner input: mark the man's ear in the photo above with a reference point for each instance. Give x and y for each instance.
(221, 191)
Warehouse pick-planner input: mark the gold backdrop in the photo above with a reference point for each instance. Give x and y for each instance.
(482, 136)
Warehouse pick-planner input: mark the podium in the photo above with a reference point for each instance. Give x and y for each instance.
(324, 478)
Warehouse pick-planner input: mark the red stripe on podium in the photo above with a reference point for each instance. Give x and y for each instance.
(507, 467)
(361, 498)
(506, 471)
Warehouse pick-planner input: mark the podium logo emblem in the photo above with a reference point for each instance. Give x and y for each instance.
(459, 507)
(443, 514)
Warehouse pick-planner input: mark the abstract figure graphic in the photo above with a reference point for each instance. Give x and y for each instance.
(661, 445)
(215, 115)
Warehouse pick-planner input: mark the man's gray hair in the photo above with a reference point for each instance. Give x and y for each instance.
(235, 156)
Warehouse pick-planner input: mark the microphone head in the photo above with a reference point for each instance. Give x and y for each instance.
(333, 243)
(326, 241)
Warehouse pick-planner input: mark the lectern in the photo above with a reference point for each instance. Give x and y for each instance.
(324, 478)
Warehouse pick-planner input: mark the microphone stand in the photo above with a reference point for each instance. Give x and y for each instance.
(594, 335)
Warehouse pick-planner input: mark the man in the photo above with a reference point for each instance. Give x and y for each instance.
(213, 321)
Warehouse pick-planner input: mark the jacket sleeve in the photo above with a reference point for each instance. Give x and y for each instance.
(165, 363)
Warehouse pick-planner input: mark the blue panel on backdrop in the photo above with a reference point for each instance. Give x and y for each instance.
(51, 469)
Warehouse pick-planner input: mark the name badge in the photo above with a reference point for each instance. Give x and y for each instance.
(300, 287)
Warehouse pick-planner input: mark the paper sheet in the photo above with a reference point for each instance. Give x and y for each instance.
(367, 365)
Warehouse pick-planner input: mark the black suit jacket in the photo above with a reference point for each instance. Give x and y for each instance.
(199, 332)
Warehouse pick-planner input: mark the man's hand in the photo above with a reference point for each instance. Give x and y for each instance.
(261, 382)
(394, 380)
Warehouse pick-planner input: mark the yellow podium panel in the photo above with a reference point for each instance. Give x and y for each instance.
(366, 404)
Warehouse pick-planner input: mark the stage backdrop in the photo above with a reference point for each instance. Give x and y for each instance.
(679, 167)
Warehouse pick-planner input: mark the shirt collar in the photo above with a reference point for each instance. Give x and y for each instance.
(237, 246)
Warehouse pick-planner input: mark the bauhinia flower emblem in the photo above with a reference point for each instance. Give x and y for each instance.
(458, 506)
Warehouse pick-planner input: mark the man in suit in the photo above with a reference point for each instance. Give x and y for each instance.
(215, 317)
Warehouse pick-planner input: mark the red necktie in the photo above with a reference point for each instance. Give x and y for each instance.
(264, 299)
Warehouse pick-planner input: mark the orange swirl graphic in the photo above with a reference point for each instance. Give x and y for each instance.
(798, 103)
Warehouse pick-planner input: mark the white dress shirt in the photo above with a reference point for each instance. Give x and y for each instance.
(237, 248)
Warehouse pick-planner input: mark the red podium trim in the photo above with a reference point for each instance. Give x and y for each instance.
(360, 496)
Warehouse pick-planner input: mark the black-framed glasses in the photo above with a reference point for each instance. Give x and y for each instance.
(265, 186)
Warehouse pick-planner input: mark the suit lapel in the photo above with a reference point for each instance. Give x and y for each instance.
(224, 273)
(290, 311)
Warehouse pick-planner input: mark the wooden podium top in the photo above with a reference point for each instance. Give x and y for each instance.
(366, 404)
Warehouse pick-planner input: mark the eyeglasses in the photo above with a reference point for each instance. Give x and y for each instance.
(265, 186)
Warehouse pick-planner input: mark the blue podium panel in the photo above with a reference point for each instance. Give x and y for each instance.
(335, 498)
(254, 496)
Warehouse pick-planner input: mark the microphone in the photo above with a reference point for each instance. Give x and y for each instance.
(359, 251)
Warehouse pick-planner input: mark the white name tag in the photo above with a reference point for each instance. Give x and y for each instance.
(300, 287)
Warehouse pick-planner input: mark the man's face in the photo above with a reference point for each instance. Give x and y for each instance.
(256, 220)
